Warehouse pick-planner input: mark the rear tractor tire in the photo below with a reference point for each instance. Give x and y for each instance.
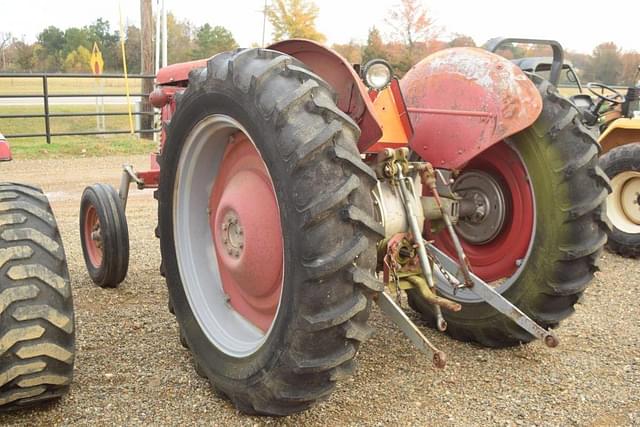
(267, 232)
(104, 235)
(37, 334)
(553, 226)
(622, 165)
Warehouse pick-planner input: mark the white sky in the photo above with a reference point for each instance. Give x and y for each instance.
(571, 22)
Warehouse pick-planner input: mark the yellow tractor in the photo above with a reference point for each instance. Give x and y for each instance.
(619, 120)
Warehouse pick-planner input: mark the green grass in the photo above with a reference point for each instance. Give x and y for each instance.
(65, 86)
(69, 146)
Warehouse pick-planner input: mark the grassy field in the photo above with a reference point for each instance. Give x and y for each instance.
(74, 145)
(63, 86)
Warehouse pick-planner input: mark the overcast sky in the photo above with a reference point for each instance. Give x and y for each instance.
(573, 23)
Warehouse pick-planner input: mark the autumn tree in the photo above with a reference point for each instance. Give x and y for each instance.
(375, 47)
(413, 26)
(24, 56)
(630, 64)
(78, 61)
(180, 42)
(460, 40)
(607, 63)
(211, 40)
(352, 51)
(294, 19)
(75, 37)
(133, 48)
(108, 42)
(51, 39)
(5, 40)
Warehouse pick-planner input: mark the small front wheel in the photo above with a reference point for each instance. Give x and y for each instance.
(104, 235)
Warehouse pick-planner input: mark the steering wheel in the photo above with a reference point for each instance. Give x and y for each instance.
(616, 98)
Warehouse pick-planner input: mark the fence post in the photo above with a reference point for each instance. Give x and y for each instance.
(45, 97)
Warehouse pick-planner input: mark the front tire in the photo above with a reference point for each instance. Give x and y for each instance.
(37, 333)
(566, 235)
(263, 116)
(104, 234)
(622, 165)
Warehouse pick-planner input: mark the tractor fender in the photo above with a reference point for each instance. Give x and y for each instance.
(464, 100)
(5, 150)
(353, 95)
(620, 132)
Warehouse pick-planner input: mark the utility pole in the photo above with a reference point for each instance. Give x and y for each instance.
(146, 64)
(165, 36)
(157, 37)
(264, 21)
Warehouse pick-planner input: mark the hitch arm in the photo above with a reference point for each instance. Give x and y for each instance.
(395, 313)
(497, 301)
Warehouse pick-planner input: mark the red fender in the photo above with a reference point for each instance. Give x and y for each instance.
(464, 100)
(353, 95)
(5, 150)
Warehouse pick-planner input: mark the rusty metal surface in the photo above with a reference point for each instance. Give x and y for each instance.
(353, 96)
(464, 100)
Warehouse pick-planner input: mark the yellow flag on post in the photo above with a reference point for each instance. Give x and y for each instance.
(97, 63)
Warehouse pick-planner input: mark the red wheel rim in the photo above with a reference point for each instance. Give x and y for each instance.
(93, 236)
(501, 257)
(247, 234)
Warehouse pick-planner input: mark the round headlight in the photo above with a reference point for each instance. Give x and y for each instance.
(377, 74)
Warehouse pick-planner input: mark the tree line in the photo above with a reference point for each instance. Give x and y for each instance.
(411, 35)
(69, 50)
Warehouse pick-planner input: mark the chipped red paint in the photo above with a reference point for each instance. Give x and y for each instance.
(464, 100)
(353, 95)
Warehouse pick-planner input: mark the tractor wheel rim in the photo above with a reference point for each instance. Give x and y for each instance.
(228, 236)
(93, 236)
(623, 204)
(501, 259)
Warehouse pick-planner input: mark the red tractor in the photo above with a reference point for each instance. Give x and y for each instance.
(37, 332)
(294, 190)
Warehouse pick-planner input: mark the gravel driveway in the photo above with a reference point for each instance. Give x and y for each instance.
(131, 369)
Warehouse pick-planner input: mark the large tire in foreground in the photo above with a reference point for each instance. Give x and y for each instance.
(622, 165)
(266, 231)
(37, 334)
(563, 225)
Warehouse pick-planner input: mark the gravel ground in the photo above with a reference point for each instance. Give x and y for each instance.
(131, 369)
